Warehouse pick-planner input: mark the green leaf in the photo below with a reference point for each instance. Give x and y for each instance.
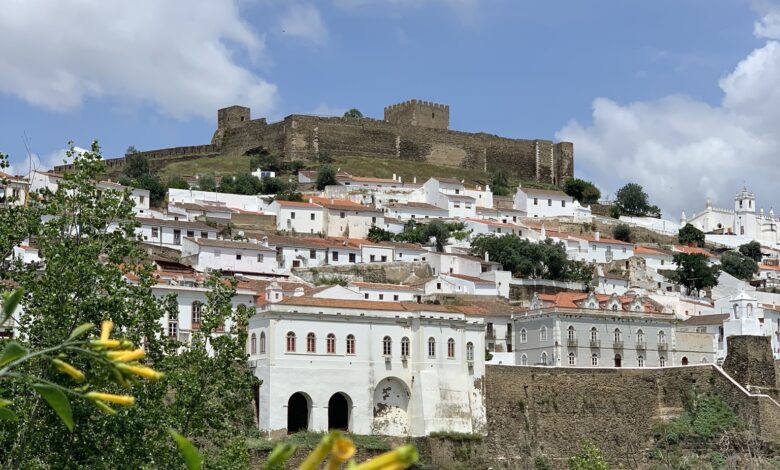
(192, 458)
(7, 415)
(58, 402)
(9, 306)
(80, 330)
(281, 454)
(12, 351)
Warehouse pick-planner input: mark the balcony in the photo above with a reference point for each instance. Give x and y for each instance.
(663, 346)
(617, 345)
(595, 343)
(641, 345)
(571, 342)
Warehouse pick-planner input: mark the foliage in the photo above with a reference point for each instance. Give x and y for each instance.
(588, 458)
(738, 265)
(131, 150)
(154, 185)
(136, 165)
(207, 183)
(632, 200)
(323, 157)
(289, 195)
(622, 232)
(353, 114)
(543, 260)
(614, 212)
(261, 158)
(326, 177)
(752, 250)
(691, 236)
(376, 234)
(705, 417)
(499, 183)
(242, 183)
(330, 281)
(542, 463)
(694, 272)
(177, 182)
(422, 233)
(456, 436)
(583, 191)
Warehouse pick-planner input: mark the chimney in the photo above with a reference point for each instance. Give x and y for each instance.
(393, 176)
(414, 180)
(597, 236)
(487, 256)
(265, 242)
(311, 200)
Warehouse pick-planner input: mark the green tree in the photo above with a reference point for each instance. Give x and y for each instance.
(499, 183)
(738, 265)
(154, 185)
(437, 230)
(583, 191)
(376, 234)
(326, 177)
(691, 236)
(694, 272)
(131, 150)
(177, 182)
(207, 183)
(622, 232)
(136, 165)
(242, 183)
(262, 158)
(289, 195)
(588, 458)
(324, 157)
(752, 250)
(632, 200)
(353, 113)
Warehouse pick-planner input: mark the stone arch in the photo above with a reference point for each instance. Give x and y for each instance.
(298, 412)
(391, 401)
(684, 361)
(339, 411)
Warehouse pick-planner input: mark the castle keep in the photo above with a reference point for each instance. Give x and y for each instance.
(412, 130)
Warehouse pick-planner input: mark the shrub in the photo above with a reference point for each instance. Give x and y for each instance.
(622, 232)
(588, 458)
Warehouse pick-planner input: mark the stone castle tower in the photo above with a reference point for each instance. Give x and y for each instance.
(419, 113)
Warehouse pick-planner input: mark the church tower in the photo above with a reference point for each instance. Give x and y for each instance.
(745, 213)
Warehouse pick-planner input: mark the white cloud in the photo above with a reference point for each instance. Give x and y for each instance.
(768, 27)
(179, 55)
(326, 110)
(33, 161)
(466, 10)
(684, 151)
(303, 21)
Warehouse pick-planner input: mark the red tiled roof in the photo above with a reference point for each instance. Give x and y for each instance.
(643, 250)
(417, 205)
(475, 280)
(342, 204)
(383, 286)
(692, 250)
(296, 204)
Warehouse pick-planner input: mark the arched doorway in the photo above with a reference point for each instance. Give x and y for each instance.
(618, 360)
(339, 410)
(297, 413)
(391, 399)
(684, 361)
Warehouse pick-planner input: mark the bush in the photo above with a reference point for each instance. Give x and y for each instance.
(326, 177)
(177, 182)
(705, 418)
(622, 232)
(588, 458)
(583, 191)
(330, 281)
(690, 235)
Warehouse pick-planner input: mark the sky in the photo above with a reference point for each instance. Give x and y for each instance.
(680, 96)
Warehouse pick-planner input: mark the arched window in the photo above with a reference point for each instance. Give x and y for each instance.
(640, 361)
(594, 359)
(662, 361)
(637, 307)
(253, 344)
(523, 360)
(617, 335)
(404, 347)
(543, 358)
(572, 333)
(523, 336)
(661, 337)
(614, 307)
(640, 336)
(311, 343)
(572, 359)
(469, 351)
(736, 311)
(431, 347)
(543, 333)
(749, 310)
(684, 361)
(451, 348)
(290, 342)
(704, 360)
(387, 346)
(350, 344)
(618, 360)
(262, 342)
(330, 343)
(594, 334)
(197, 314)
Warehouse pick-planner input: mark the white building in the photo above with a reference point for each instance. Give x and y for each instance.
(416, 211)
(389, 368)
(748, 317)
(191, 211)
(493, 227)
(170, 233)
(13, 190)
(43, 179)
(655, 258)
(460, 284)
(229, 256)
(298, 217)
(451, 195)
(543, 203)
(140, 196)
(253, 203)
(507, 216)
(383, 292)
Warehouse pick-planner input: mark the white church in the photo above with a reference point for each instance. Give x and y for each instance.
(745, 220)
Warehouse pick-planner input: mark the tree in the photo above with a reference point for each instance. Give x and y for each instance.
(422, 233)
(499, 183)
(694, 272)
(177, 182)
(752, 250)
(690, 236)
(622, 232)
(154, 185)
(131, 150)
(207, 183)
(353, 114)
(438, 230)
(376, 234)
(136, 165)
(242, 183)
(583, 191)
(738, 265)
(260, 157)
(632, 200)
(588, 458)
(326, 177)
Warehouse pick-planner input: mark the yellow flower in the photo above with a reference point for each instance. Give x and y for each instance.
(343, 449)
(66, 368)
(315, 458)
(105, 407)
(124, 400)
(141, 371)
(399, 458)
(106, 343)
(126, 356)
(105, 329)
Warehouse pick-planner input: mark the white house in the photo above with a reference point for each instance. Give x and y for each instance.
(393, 225)
(460, 284)
(13, 190)
(655, 258)
(43, 179)
(493, 227)
(229, 256)
(543, 203)
(388, 368)
(382, 292)
(507, 216)
(298, 217)
(457, 263)
(294, 252)
(140, 196)
(170, 233)
(415, 210)
(594, 248)
(344, 218)
(450, 194)
(253, 203)
(191, 211)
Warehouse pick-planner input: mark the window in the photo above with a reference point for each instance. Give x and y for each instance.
(594, 359)
(383, 258)
(640, 336)
(431, 347)
(311, 343)
(640, 361)
(536, 201)
(381, 296)
(191, 233)
(290, 342)
(617, 335)
(572, 333)
(173, 327)
(262, 342)
(330, 343)
(197, 313)
(204, 235)
(404, 347)
(365, 296)
(395, 297)
(549, 203)
(661, 337)
(387, 346)
(523, 336)
(335, 255)
(177, 237)
(352, 257)
(341, 215)
(662, 361)
(438, 286)
(238, 256)
(311, 216)
(469, 351)
(451, 348)
(253, 344)
(350, 344)
(292, 215)
(543, 358)
(373, 220)
(594, 334)
(312, 254)
(563, 203)
(614, 307)
(372, 258)
(155, 232)
(523, 360)
(543, 333)
(572, 359)
(456, 205)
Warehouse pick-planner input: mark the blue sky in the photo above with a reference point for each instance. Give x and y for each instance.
(153, 76)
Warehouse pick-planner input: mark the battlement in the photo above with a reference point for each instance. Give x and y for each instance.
(412, 102)
(419, 113)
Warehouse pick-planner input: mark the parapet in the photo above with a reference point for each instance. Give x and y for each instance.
(419, 113)
(407, 103)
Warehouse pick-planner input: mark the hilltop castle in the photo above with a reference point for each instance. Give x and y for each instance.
(412, 130)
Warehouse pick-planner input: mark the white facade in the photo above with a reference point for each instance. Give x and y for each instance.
(416, 211)
(387, 292)
(170, 233)
(254, 203)
(493, 227)
(543, 203)
(232, 256)
(745, 220)
(459, 284)
(298, 217)
(377, 375)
